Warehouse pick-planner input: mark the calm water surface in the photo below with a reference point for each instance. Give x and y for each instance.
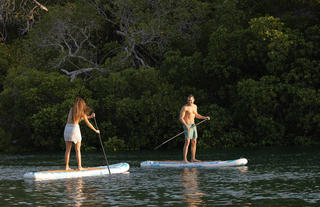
(273, 177)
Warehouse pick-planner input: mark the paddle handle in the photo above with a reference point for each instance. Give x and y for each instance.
(157, 147)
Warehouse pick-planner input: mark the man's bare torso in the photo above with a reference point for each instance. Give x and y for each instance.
(190, 112)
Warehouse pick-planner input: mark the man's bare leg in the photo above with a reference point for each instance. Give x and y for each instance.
(67, 154)
(185, 150)
(193, 150)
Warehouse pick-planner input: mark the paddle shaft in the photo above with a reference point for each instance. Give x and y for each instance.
(105, 156)
(157, 147)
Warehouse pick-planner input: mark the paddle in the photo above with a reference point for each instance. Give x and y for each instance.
(105, 156)
(157, 147)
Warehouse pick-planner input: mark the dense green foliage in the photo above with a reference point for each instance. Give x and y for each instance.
(253, 66)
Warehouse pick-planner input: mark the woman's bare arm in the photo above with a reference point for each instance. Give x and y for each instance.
(90, 125)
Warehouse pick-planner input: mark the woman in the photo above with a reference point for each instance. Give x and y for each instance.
(79, 111)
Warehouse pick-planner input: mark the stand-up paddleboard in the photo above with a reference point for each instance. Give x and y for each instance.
(228, 163)
(62, 174)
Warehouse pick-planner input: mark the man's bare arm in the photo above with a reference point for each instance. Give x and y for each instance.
(198, 116)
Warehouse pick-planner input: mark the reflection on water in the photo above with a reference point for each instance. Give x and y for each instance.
(86, 191)
(70, 192)
(276, 178)
(243, 169)
(74, 190)
(192, 196)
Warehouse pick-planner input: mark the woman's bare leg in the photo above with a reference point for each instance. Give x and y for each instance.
(78, 153)
(67, 154)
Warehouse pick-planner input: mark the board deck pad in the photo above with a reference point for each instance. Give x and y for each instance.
(179, 161)
(72, 170)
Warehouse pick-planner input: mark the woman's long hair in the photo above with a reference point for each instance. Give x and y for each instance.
(79, 109)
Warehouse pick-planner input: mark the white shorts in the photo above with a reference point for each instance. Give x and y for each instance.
(72, 133)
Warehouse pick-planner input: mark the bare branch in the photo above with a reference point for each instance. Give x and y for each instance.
(40, 5)
(22, 13)
(104, 12)
(75, 73)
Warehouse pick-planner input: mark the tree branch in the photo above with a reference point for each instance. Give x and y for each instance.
(40, 5)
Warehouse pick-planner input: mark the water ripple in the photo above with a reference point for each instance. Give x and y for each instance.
(270, 179)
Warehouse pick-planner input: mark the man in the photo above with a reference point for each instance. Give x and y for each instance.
(187, 115)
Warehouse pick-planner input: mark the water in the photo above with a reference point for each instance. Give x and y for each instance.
(273, 177)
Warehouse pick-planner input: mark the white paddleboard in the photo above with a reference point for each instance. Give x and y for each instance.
(62, 174)
(227, 163)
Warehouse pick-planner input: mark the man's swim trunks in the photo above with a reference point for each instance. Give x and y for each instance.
(192, 133)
